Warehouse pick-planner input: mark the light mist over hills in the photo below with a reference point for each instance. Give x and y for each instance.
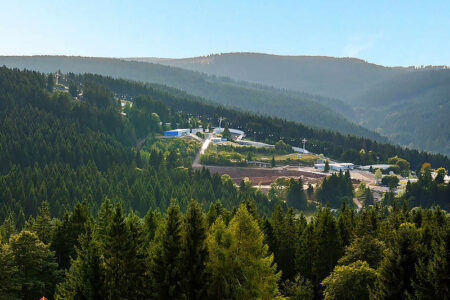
(327, 76)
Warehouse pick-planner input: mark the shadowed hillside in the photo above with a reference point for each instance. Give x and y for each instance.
(311, 110)
(328, 76)
(408, 105)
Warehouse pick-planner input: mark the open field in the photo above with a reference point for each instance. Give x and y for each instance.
(292, 158)
(262, 175)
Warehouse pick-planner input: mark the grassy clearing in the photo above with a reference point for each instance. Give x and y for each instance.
(305, 159)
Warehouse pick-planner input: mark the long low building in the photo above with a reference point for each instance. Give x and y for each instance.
(254, 144)
(177, 132)
(233, 131)
(336, 166)
(181, 132)
(377, 166)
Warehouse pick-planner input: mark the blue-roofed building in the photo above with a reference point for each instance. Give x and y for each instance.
(177, 132)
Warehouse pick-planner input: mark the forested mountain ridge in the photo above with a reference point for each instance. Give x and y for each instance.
(300, 107)
(72, 150)
(411, 109)
(269, 129)
(408, 105)
(85, 214)
(332, 77)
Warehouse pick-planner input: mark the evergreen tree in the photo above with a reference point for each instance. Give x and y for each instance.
(123, 259)
(310, 191)
(326, 168)
(10, 285)
(43, 225)
(226, 132)
(37, 268)
(433, 281)
(84, 279)
(215, 210)
(50, 82)
(66, 234)
(152, 220)
(195, 253)
(345, 224)
(397, 270)
(295, 195)
(329, 245)
(368, 197)
(73, 89)
(166, 264)
(105, 216)
(7, 229)
(307, 253)
(172, 159)
(137, 281)
(138, 159)
(285, 237)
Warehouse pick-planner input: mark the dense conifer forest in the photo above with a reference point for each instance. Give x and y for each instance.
(94, 206)
(301, 107)
(408, 105)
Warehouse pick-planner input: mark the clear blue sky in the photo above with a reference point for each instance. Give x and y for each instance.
(384, 32)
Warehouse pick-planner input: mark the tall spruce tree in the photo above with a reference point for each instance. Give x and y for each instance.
(136, 267)
(329, 245)
(37, 267)
(152, 220)
(43, 225)
(104, 220)
(307, 253)
(346, 224)
(397, 270)
(10, 284)
(66, 233)
(120, 261)
(433, 280)
(296, 197)
(7, 229)
(84, 279)
(166, 264)
(195, 253)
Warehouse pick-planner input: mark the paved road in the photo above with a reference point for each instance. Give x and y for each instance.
(196, 163)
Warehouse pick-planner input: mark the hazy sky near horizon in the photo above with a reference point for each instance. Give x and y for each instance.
(383, 32)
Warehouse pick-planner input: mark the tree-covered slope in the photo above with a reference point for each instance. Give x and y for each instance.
(270, 129)
(412, 109)
(328, 76)
(410, 106)
(305, 108)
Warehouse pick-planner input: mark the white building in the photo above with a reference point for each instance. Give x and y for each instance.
(374, 167)
(336, 166)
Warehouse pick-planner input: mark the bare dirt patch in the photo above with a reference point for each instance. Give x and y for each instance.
(263, 175)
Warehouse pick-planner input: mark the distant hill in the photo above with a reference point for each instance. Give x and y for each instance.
(409, 105)
(312, 110)
(327, 76)
(412, 109)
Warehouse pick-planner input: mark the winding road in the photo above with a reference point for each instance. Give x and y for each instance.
(196, 163)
